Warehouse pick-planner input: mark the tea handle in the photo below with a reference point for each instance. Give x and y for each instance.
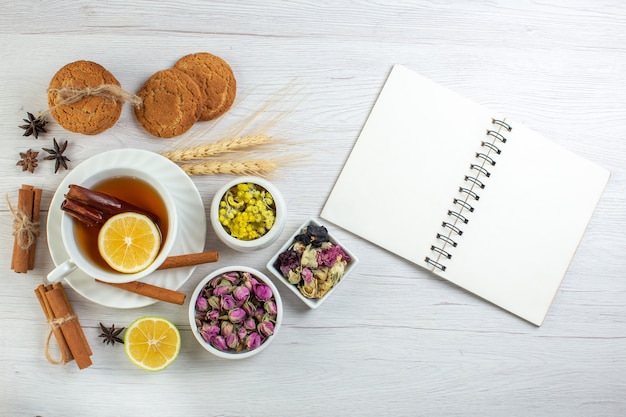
(61, 271)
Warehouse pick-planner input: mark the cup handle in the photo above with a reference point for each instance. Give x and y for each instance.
(61, 271)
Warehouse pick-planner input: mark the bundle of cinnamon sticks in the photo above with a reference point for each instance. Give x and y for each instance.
(25, 228)
(64, 325)
(95, 208)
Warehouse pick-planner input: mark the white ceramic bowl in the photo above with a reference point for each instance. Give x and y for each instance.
(311, 302)
(255, 244)
(232, 354)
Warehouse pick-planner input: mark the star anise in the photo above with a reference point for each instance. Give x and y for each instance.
(57, 154)
(35, 125)
(111, 335)
(28, 161)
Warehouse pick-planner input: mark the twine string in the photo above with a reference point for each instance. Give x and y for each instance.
(69, 95)
(55, 324)
(24, 229)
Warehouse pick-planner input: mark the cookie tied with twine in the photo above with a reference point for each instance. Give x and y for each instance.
(84, 97)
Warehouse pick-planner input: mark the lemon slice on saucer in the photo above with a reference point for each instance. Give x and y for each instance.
(152, 343)
(129, 242)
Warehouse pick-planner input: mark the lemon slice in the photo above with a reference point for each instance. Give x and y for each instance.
(129, 242)
(152, 343)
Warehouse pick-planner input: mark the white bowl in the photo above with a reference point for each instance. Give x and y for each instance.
(255, 244)
(311, 302)
(232, 354)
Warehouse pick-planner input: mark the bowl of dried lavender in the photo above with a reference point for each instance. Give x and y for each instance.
(248, 213)
(235, 312)
(312, 263)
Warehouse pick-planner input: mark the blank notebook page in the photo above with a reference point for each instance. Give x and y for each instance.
(405, 171)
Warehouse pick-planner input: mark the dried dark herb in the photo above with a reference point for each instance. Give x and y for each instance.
(57, 154)
(28, 161)
(111, 335)
(34, 125)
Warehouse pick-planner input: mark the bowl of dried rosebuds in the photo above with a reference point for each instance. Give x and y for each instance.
(248, 213)
(235, 312)
(312, 263)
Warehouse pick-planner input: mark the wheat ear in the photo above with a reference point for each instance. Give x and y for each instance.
(258, 167)
(215, 148)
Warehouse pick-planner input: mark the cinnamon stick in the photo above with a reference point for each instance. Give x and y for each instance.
(177, 261)
(26, 228)
(66, 355)
(149, 290)
(37, 194)
(69, 324)
(64, 324)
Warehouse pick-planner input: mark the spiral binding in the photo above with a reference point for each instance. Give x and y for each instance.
(473, 182)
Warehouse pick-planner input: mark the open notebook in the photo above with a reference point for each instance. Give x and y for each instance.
(472, 196)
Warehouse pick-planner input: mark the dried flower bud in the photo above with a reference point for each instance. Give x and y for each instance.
(237, 315)
(253, 341)
(227, 302)
(213, 315)
(219, 342)
(202, 304)
(241, 293)
(214, 301)
(249, 323)
(223, 289)
(227, 328)
(266, 328)
(263, 292)
(232, 340)
(242, 333)
(207, 331)
(249, 281)
(270, 307)
(249, 308)
(294, 276)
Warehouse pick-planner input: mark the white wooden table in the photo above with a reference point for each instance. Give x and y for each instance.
(393, 340)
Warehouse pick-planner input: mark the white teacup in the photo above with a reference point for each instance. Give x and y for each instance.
(78, 259)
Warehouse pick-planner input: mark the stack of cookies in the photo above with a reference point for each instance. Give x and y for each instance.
(199, 87)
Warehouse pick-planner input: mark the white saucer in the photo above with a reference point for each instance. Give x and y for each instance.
(191, 224)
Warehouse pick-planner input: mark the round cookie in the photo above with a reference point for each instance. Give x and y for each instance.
(171, 100)
(216, 81)
(89, 115)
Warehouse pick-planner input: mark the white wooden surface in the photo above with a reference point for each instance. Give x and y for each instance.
(394, 340)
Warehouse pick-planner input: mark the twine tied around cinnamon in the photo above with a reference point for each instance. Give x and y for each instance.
(24, 229)
(69, 95)
(55, 324)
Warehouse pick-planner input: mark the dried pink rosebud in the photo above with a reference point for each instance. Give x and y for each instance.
(202, 304)
(214, 301)
(232, 340)
(249, 308)
(237, 315)
(263, 292)
(253, 341)
(213, 315)
(271, 308)
(227, 328)
(249, 323)
(266, 328)
(241, 293)
(227, 302)
(207, 331)
(219, 342)
(249, 281)
(242, 333)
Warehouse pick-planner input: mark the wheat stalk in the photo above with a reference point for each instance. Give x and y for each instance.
(207, 150)
(260, 167)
